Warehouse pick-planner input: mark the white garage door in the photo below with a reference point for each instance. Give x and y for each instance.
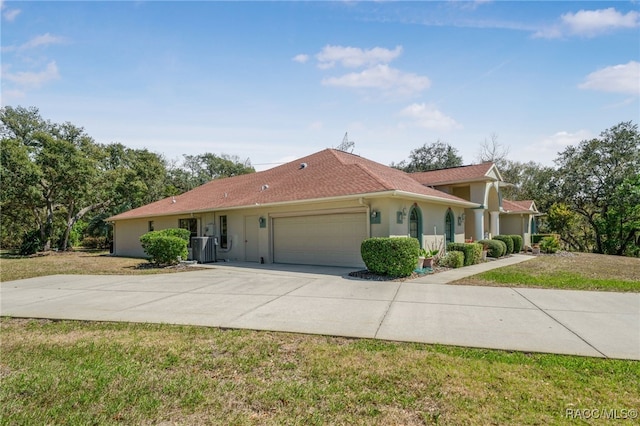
(332, 239)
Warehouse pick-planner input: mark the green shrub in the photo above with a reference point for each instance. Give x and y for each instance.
(507, 240)
(31, 243)
(495, 248)
(472, 255)
(453, 259)
(164, 249)
(94, 242)
(517, 243)
(184, 234)
(394, 257)
(537, 238)
(477, 253)
(549, 245)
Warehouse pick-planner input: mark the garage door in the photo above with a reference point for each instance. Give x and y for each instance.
(332, 239)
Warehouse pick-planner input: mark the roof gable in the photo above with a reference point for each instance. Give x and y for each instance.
(471, 173)
(524, 206)
(325, 174)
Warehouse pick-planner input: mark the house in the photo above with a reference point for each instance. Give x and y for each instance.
(317, 210)
(492, 215)
(519, 218)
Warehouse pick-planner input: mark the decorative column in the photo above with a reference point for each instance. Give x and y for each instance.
(495, 223)
(479, 222)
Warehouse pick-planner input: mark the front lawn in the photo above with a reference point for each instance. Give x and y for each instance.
(68, 372)
(14, 267)
(576, 271)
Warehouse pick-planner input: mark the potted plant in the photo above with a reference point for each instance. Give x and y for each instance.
(535, 249)
(429, 257)
(421, 256)
(485, 250)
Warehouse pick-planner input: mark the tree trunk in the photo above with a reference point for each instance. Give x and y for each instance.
(71, 220)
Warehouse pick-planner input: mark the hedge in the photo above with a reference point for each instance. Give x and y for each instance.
(394, 257)
(453, 259)
(507, 240)
(472, 254)
(517, 243)
(164, 247)
(495, 248)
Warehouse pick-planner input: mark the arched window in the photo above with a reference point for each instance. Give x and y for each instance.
(450, 226)
(415, 224)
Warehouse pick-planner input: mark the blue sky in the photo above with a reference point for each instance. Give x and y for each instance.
(274, 81)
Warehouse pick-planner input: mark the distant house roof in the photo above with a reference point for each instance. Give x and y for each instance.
(525, 206)
(472, 173)
(326, 174)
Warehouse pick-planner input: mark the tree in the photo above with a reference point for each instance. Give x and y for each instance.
(600, 180)
(494, 152)
(531, 181)
(438, 155)
(197, 170)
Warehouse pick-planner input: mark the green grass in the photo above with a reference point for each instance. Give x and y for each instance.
(579, 271)
(562, 280)
(97, 262)
(68, 372)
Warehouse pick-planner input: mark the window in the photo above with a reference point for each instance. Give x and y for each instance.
(415, 224)
(191, 225)
(150, 226)
(223, 232)
(449, 226)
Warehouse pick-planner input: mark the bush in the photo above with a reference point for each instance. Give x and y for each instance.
(394, 257)
(94, 242)
(495, 248)
(549, 245)
(472, 252)
(31, 243)
(517, 243)
(507, 240)
(184, 234)
(453, 259)
(164, 249)
(537, 238)
(477, 253)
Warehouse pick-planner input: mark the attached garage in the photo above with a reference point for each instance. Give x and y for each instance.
(328, 239)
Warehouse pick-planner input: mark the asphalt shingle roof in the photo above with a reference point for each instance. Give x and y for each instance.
(453, 175)
(524, 206)
(328, 173)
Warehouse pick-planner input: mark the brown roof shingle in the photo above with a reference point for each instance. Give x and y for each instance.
(453, 175)
(328, 173)
(524, 206)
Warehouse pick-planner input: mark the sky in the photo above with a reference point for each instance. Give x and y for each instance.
(275, 81)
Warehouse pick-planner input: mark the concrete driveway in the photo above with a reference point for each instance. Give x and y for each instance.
(326, 301)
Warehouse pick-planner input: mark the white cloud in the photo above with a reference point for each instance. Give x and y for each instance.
(42, 40)
(301, 58)
(383, 77)
(30, 79)
(354, 57)
(624, 78)
(37, 41)
(590, 23)
(11, 14)
(547, 149)
(428, 117)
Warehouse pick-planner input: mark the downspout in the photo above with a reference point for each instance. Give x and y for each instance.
(362, 203)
